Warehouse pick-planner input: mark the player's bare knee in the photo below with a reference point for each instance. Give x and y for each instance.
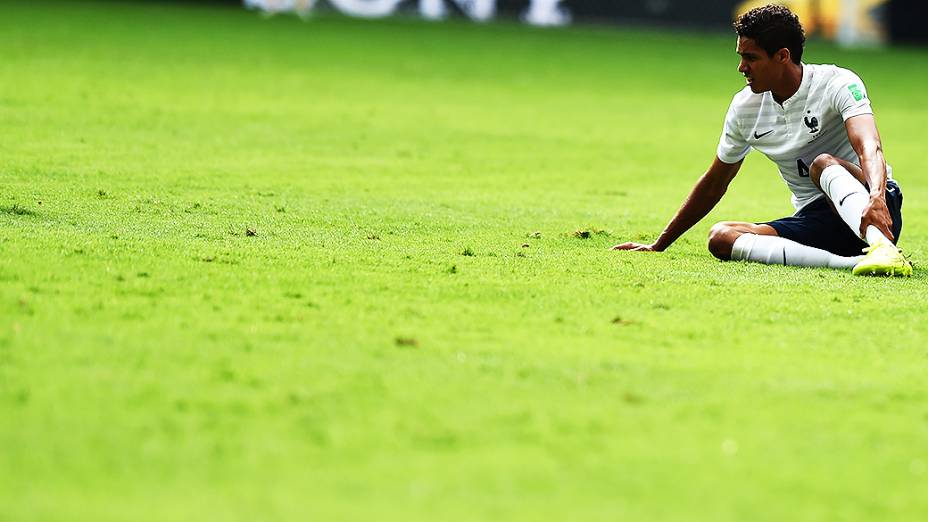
(819, 164)
(721, 238)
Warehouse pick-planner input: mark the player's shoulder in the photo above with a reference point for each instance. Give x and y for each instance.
(830, 74)
(745, 99)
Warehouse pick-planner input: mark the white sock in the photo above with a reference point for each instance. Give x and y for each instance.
(776, 250)
(850, 198)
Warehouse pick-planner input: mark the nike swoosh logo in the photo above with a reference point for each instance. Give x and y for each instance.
(759, 136)
(845, 197)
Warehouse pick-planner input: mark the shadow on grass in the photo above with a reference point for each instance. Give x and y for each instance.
(16, 210)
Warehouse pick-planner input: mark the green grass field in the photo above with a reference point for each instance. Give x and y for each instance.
(272, 269)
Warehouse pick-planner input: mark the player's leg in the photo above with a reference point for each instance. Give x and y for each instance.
(761, 243)
(723, 235)
(846, 188)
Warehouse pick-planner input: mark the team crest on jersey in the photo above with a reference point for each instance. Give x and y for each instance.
(811, 123)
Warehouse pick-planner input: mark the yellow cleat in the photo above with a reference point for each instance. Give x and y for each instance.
(883, 259)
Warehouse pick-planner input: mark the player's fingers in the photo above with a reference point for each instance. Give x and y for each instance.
(624, 246)
(632, 247)
(887, 232)
(882, 227)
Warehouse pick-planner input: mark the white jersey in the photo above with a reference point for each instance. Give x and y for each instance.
(809, 123)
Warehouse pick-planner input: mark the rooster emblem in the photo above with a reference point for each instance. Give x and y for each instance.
(812, 124)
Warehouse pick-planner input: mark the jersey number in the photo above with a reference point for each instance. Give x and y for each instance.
(803, 168)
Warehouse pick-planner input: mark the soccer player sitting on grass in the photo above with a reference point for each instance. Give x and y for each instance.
(816, 124)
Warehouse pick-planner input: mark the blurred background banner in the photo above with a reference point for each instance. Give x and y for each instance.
(849, 22)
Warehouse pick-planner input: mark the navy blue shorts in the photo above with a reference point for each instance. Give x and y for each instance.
(818, 225)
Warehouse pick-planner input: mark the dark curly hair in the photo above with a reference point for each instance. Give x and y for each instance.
(773, 27)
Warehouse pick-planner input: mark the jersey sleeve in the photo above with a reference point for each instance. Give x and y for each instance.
(849, 96)
(733, 146)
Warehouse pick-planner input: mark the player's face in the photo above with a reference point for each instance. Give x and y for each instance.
(758, 68)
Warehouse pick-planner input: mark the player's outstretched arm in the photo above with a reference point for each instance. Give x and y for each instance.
(702, 198)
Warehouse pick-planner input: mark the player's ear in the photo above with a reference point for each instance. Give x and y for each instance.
(782, 56)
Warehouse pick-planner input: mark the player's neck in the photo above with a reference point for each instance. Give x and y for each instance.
(792, 79)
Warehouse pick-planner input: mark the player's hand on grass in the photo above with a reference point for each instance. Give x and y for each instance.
(877, 214)
(635, 247)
